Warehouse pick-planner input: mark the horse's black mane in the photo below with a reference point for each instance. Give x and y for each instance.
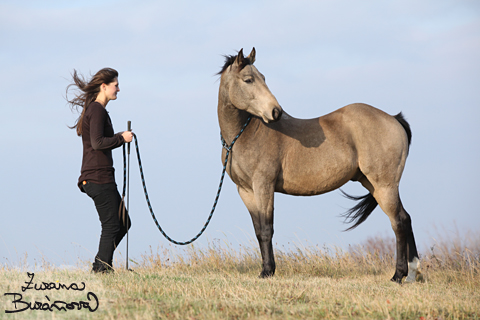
(229, 60)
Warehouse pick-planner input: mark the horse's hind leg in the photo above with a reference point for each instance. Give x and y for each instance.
(260, 206)
(413, 261)
(406, 248)
(407, 255)
(389, 201)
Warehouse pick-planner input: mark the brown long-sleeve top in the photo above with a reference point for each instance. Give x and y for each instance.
(98, 141)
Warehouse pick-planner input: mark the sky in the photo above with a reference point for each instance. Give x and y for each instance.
(420, 58)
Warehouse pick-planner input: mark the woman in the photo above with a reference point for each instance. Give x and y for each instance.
(97, 177)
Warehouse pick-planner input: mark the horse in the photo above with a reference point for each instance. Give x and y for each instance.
(279, 153)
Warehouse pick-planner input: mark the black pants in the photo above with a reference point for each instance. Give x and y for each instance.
(107, 201)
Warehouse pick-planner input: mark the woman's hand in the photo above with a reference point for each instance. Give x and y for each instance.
(127, 136)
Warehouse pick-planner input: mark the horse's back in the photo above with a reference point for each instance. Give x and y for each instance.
(321, 154)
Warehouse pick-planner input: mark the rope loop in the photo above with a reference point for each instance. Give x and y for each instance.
(224, 145)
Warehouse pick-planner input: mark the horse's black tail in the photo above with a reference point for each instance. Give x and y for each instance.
(400, 118)
(360, 212)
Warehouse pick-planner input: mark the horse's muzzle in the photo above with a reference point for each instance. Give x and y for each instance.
(276, 114)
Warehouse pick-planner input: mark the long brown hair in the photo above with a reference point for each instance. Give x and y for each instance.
(88, 92)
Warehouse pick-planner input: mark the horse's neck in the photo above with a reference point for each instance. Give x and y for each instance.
(231, 120)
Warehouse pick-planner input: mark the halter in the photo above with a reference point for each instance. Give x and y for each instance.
(224, 143)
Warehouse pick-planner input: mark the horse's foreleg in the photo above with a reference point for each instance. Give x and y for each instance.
(260, 206)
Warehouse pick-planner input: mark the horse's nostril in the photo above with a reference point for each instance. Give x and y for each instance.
(276, 113)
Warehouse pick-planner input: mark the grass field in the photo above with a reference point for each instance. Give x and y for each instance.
(218, 282)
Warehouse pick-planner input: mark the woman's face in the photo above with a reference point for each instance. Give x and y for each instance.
(112, 89)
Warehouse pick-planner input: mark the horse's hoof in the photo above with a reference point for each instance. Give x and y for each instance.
(413, 271)
(420, 277)
(396, 279)
(417, 278)
(266, 274)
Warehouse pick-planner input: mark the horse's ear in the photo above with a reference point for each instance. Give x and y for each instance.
(240, 58)
(251, 56)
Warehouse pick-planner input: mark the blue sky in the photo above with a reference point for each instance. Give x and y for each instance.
(421, 58)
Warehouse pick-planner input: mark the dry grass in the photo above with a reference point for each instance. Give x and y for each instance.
(218, 282)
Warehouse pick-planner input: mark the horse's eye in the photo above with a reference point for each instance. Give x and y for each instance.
(249, 80)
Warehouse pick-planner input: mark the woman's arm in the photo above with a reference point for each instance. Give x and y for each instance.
(97, 127)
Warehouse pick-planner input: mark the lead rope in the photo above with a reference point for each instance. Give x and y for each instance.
(224, 145)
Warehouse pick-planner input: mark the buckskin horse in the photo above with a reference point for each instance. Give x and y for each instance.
(279, 153)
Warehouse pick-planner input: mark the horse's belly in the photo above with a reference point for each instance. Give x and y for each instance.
(313, 174)
(311, 185)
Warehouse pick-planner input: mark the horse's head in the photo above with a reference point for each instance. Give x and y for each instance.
(245, 88)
